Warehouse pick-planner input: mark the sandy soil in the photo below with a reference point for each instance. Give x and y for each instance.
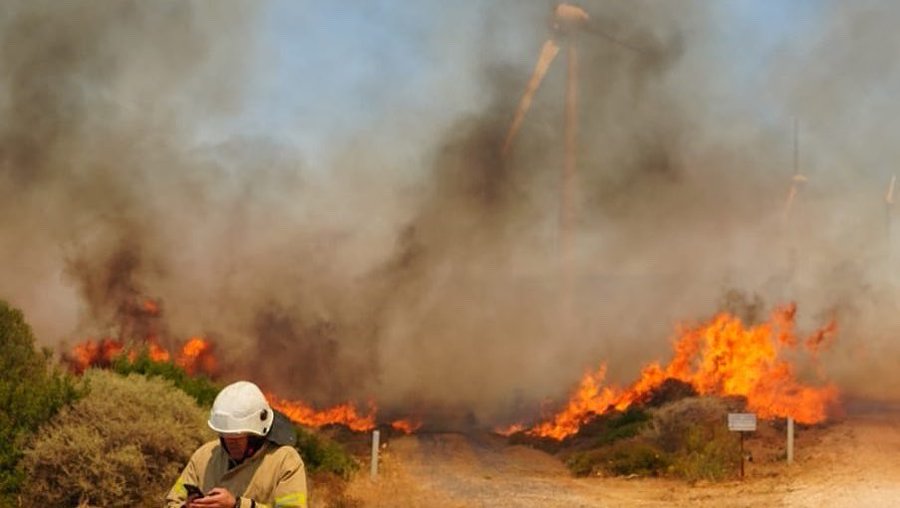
(854, 462)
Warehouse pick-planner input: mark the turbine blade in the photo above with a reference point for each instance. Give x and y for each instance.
(593, 28)
(548, 53)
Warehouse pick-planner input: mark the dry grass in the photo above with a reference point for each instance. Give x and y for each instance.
(396, 487)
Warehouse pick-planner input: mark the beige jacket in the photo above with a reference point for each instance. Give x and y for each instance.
(273, 477)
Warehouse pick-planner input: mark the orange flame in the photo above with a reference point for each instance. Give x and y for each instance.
(197, 356)
(508, 431)
(93, 354)
(406, 426)
(150, 307)
(156, 352)
(343, 414)
(722, 358)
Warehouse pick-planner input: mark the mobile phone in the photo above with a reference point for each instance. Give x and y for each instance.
(193, 491)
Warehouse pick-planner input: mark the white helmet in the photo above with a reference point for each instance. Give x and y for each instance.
(241, 407)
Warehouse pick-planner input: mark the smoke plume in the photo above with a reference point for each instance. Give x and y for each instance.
(409, 262)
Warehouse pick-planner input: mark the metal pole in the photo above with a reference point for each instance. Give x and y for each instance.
(374, 470)
(888, 209)
(796, 146)
(790, 440)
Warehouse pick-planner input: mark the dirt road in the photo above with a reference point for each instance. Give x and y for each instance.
(855, 462)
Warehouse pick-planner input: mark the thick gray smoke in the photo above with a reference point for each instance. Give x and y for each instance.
(414, 265)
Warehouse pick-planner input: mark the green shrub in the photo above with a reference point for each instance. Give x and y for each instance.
(201, 388)
(627, 457)
(707, 458)
(608, 428)
(634, 457)
(32, 390)
(582, 463)
(625, 425)
(123, 444)
(322, 455)
(603, 454)
(694, 433)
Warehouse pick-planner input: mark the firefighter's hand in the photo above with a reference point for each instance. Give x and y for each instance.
(215, 498)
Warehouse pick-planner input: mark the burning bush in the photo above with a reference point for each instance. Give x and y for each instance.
(721, 357)
(104, 450)
(31, 392)
(669, 391)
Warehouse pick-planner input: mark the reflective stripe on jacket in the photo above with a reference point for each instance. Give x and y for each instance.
(273, 477)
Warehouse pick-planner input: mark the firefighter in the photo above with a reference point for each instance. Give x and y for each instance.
(253, 464)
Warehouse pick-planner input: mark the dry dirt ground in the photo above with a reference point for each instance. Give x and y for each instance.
(853, 462)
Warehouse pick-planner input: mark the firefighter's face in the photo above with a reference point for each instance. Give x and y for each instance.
(236, 444)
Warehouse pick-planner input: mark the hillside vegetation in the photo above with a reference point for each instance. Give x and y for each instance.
(32, 390)
(114, 437)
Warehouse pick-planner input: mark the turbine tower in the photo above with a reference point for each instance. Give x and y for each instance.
(566, 22)
(889, 204)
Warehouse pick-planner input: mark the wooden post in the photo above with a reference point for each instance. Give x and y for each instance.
(790, 440)
(374, 470)
(742, 455)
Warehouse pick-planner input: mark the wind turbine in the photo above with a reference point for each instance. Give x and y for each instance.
(567, 22)
(798, 179)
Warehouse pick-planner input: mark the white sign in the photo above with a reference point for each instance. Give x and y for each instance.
(742, 422)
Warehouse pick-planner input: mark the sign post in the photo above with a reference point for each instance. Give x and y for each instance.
(742, 422)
